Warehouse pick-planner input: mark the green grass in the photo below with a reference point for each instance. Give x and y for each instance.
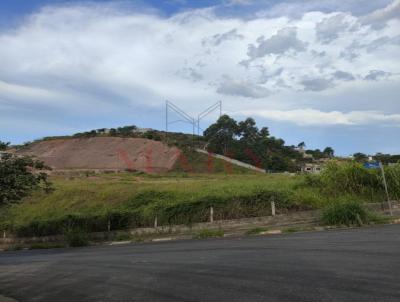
(256, 231)
(208, 233)
(349, 213)
(46, 245)
(291, 230)
(93, 202)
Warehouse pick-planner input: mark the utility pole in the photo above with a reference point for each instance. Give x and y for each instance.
(386, 189)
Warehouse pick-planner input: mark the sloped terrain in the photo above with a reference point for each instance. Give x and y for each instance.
(105, 153)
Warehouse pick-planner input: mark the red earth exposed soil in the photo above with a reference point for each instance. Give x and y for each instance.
(105, 153)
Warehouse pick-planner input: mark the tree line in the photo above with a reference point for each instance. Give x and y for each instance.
(246, 142)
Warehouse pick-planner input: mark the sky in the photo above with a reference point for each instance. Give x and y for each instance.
(320, 71)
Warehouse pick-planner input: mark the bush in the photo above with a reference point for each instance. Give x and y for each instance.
(340, 178)
(123, 237)
(76, 237)
(345, 213)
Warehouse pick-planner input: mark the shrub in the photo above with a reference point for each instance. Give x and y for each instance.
(76, 237)
(345, 213)
(123, 237)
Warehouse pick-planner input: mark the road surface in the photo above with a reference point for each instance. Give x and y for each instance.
(341, 265)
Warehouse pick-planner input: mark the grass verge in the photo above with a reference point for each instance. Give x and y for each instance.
(208, 233)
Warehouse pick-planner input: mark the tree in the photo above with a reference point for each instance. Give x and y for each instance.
(329, 152)
(245, 142)
(3, 146)
(20, 176)
(247, 130)
(221, 135)
(301, 145)
(360, 157)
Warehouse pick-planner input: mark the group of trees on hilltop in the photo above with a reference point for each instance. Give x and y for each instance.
(120, 131)
(384, 158)
(328, 152)
(245, 142)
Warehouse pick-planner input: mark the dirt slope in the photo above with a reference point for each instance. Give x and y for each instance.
(105, 153)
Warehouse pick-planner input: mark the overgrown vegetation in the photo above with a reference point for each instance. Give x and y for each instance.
(76, 236)
(349, 213)
(117, 201)
(121, 201)
(339, 178)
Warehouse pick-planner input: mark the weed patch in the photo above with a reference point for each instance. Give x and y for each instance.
(350, 213)
(76, 237)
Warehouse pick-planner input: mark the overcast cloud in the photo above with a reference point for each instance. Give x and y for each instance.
(84, 65)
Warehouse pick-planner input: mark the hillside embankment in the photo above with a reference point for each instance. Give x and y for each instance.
(104, 153)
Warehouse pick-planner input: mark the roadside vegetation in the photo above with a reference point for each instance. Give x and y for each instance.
(112, 201)
(256, 231)
(79, 203)
(208, 233)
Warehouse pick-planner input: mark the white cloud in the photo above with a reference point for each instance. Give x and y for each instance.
(9, 90)
(316, 84)
(104, 59)
(343, 75)
(375, 75)
(233, 87)
(217, 39)
(312, 117)
(330, 28)
(284, 40)
(379, 17)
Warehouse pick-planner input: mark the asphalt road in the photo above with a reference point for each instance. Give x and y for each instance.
(343, 265)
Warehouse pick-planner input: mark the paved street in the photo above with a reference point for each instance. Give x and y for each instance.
(343, 265)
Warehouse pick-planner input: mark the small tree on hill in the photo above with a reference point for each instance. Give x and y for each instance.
(19, 177)
(329, 152)
(360, 157)
(3, 146)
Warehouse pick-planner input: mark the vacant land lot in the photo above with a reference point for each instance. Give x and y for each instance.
(99, 202)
